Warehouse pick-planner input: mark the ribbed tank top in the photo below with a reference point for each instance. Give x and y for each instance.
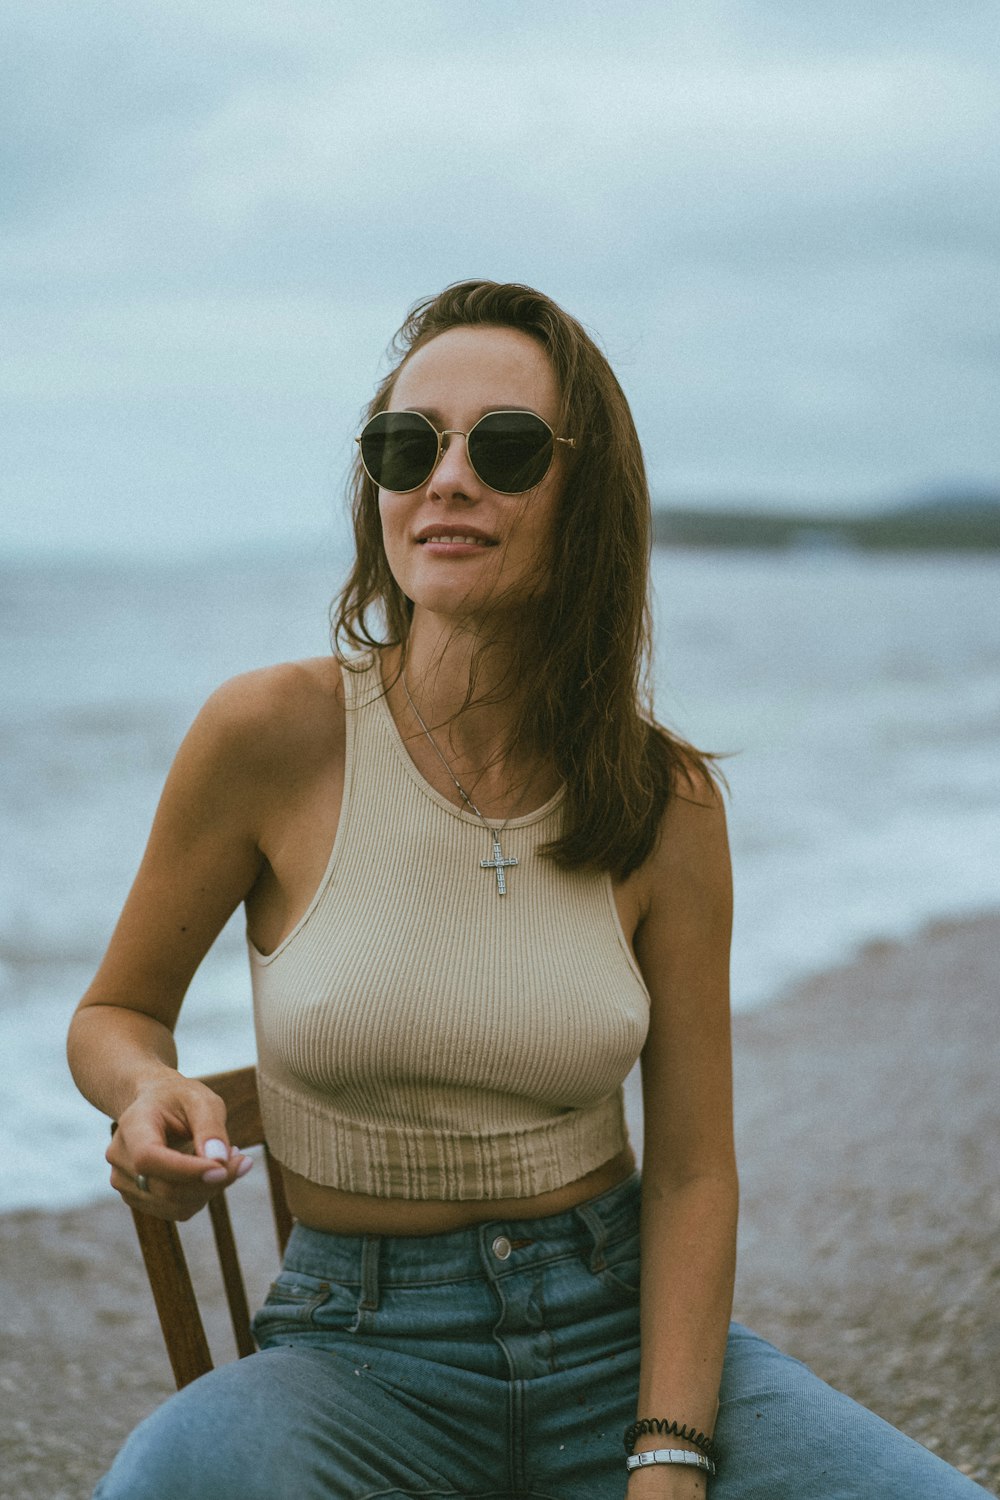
(420, 1036)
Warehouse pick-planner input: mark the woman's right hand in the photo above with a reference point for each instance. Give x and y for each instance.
(171, 1151)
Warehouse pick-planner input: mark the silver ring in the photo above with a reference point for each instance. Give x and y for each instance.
(142, 1182)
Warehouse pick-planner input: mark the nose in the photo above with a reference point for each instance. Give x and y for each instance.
(454, 475)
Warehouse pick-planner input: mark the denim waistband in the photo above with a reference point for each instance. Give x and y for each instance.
(495, 1248)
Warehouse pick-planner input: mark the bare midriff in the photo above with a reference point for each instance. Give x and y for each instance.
(337, 1212)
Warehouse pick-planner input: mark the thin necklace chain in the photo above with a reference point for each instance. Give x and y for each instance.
(444, 761)
(498, 862)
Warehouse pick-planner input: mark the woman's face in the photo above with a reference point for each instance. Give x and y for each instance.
(455, 544)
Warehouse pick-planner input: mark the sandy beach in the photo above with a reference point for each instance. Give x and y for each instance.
(869, 1139)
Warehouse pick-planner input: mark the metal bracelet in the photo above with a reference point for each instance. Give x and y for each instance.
(670, 1456)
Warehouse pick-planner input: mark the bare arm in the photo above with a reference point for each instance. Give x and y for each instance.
(690, 1191)
(201, 860)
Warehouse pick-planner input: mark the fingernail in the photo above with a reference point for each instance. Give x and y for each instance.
(215, 1174)
(244, 1166)
(216, 1150)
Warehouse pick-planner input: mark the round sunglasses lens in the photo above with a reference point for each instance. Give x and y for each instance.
(399, 449)
(511, 451)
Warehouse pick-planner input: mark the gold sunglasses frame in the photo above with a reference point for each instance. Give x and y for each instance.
(501, 411)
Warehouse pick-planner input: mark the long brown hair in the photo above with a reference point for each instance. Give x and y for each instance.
(582, 659)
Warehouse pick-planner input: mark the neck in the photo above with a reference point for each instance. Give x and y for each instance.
(454, 680)
(472, 730)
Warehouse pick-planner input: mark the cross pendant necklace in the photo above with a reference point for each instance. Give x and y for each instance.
(497, 862)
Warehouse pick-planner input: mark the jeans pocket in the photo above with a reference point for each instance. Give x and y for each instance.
(304, 1307)
(618, 1267)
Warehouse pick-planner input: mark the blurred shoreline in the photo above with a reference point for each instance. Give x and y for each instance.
(945, 523)
(868, 1139)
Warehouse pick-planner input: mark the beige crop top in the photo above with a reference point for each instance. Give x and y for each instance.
(420, 1036)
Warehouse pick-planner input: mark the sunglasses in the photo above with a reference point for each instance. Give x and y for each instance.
(509, 451)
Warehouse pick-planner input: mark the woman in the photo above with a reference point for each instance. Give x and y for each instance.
(528, 888)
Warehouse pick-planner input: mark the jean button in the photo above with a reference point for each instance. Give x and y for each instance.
(501, 1247)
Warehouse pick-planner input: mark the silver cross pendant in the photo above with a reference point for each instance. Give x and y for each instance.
(498, 864)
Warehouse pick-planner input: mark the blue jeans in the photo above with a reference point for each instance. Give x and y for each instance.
(501, 1362)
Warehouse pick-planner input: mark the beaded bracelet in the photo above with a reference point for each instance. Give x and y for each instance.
(660, 1424)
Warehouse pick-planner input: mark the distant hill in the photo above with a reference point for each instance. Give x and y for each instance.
(942, 523)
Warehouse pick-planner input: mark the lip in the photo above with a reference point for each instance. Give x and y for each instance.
(434, 532)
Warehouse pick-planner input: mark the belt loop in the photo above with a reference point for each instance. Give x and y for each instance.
(369, 1273)
(598, 1233)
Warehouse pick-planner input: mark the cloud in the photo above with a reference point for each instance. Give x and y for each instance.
(783, 224)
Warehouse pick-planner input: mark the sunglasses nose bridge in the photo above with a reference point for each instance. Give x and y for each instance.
(444, 448)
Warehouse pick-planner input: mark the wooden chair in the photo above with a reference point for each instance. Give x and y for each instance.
(166, 1265)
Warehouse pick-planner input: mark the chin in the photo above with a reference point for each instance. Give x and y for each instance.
(466, 598)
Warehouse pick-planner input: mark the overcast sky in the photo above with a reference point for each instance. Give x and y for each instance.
(782, 220)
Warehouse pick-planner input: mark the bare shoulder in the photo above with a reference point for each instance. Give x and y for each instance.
(256, 738)
(694, 820)
(696, 808)
(690, 864)
(682, 943)
(262, 699)
(274, 715)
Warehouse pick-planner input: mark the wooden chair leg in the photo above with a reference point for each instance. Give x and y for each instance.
(176, 1305)
(232, 1276)
(279, 1204)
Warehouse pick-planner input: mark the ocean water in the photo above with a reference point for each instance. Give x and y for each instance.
(859, 697)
